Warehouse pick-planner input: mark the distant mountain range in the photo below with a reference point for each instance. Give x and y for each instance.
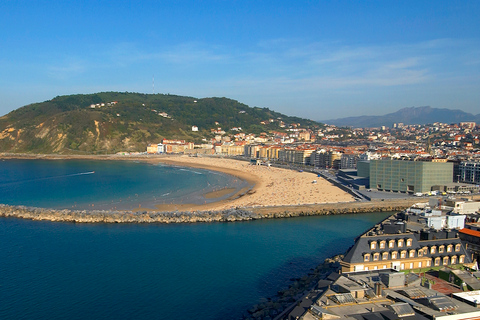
(413, 115)
(108, 122)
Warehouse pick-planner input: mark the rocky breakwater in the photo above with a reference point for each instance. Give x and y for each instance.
(106, 216)
(237, 214)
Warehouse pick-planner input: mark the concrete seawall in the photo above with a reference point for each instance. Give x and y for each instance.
(238, 214)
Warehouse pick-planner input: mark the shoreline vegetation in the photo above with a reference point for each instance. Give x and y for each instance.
(272, 193)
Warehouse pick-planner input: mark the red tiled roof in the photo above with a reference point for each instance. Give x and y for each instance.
(470, 232)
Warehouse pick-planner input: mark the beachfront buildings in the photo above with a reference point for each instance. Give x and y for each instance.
(405, 251)
(406, 175)
(409, 241)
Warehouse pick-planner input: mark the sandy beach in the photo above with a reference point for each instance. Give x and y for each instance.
(268, 186)
(271, 186)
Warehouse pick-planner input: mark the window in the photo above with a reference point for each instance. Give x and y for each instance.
(454, 259)
(433, 250)
(382, 244)
(420, 253)
(411, 254)
(373, 245)
(461, 259)
(445, 261)
(429, 263)
(391, 243)
(409, 242)
(411, 265)
(366, 268)
(425, 251)
(376, 256)
(402, 266)
(437, 261)
(441, 249)
(449, 248)
(419, 264)
(394, 255)
(366, 257)
(400, 243)
(385, 255)
(457, 247)
(403, 254)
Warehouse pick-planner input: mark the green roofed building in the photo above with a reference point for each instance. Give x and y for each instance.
(406, 175)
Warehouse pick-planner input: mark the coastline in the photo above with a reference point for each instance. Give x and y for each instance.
(268, 186)
(272, 193)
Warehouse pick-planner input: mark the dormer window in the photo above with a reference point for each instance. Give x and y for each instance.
(394, 255)
(420, 252)
(461, 259)
(409, 242)
(457, 247)
(382, 244)
(403, 254)
(391, 243)
(437, 261)
(433, 250)
(400, 243)
(385, 255)
(376, 256)
(454, 259)
(449, 248)
(373, 245)
(441, 249)
(445, 261)
(411, 254)
(366, 258)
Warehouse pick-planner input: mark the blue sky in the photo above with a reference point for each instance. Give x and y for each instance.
(314, 59)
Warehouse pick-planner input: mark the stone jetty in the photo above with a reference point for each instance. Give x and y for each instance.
(235, 214)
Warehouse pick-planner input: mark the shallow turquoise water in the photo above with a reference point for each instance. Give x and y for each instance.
(105, 184)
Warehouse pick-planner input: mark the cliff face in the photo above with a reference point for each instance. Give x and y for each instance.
(109, 122)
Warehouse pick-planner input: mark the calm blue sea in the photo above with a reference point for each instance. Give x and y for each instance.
(105, 184)
(133, 271)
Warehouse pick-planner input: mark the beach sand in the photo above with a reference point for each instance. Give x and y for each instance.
(270, 186)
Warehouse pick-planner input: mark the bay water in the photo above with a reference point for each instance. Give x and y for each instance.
(110, 185)
(51, 270)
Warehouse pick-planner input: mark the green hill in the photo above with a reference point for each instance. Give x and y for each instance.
(109, 122)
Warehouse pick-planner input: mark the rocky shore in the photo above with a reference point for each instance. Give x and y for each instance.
(285, 300)
(237, 214)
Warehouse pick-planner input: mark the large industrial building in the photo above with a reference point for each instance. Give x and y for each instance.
(406, 175)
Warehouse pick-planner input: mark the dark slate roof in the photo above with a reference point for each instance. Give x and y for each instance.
(362, 246)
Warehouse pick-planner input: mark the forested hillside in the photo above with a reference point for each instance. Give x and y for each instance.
(113, 121)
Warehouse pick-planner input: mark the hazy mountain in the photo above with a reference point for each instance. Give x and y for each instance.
(413, 115)
(114, 121)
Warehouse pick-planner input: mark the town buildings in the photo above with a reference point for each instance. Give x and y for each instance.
(408, 241)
